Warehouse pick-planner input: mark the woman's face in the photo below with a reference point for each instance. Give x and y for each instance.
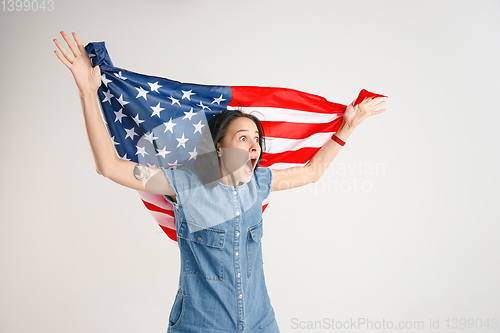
(240, 150)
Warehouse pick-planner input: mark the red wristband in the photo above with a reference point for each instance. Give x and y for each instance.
(336, 139)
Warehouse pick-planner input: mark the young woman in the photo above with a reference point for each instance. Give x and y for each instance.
(217, 205)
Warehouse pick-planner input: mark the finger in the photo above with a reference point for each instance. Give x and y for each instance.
(377, 111)
(71, 45)
(79, 44)
(66, 54)
(369, 100)
(378, 105)
(374, 99)
(374, 106)
(63, 59)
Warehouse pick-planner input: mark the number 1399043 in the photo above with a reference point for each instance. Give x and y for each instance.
(27, 5)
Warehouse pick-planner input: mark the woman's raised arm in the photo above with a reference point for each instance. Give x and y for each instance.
(312, 171)
(108, 164)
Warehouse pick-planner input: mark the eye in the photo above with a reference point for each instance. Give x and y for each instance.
(243, 136)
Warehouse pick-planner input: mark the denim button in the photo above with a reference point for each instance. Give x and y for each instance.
(241, 296)
(236, 253)
(237, 233)
(238, 275)
(234, 192)
(237, 213)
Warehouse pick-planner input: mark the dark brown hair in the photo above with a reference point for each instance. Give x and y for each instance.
(206, 165)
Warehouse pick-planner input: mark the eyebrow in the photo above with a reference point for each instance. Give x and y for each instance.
(243, 130)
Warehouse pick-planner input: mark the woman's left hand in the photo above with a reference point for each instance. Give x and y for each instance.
(354, 115)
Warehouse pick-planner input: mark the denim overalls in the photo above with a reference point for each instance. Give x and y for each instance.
(219, 230)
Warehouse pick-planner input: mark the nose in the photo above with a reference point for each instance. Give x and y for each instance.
(255, 146)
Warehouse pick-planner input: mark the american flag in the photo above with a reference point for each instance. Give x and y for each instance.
(157, 122)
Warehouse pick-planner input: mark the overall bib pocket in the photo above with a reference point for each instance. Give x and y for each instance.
(254, 248)
(202, 251)
(177, 310)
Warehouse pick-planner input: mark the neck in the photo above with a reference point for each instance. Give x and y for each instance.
(227, 178)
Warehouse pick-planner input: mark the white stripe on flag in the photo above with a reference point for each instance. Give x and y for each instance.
(281, 145)
(287, 115)
(282, 166)
(164, 219)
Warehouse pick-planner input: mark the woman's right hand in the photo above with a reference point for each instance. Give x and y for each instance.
(87, 78)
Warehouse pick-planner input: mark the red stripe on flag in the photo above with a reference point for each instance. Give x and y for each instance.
(156, 199)
(282, 98)
(366, 94)
(170, 233)
(298, 131)
(155, 208)
(164, 219)
(299, 156)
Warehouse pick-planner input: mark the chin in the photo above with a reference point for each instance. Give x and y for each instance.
(244, 177)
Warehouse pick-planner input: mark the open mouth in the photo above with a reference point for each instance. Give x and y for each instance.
(250, 165)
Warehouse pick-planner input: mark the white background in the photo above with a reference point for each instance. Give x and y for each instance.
(403, 226)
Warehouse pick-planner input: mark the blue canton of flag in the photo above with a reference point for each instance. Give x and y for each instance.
(161, 126)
